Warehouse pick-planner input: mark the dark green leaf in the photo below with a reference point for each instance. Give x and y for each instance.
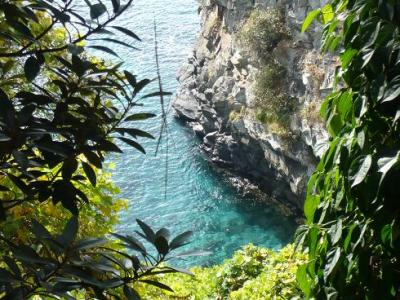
(139, 117)
(141, 84)
(149, 233)
(91, 175)
(93, 159)
(157, 94)
(131, 78)
(135, 132)
(386, 234)
(127, 32)
(109, 147)
(133, 144)
(181, 239)
(4, 138)
(6, 276)
(161, 244)
(116, 5)
(54, 148)
(130, 293)
(12, 265)
(31, 68)
(40, 231)
(27, 254)
(21, 28)
(157, 284)
(164, 232)
(68, 168)
(104, 49)
(4, 188)
(97, 10)
(385, 164)
(392, 94)
(70, 230)
(89, 243)
(19, 183)
(131, 242)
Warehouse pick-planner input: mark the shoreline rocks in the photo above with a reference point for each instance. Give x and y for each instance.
(215, 99)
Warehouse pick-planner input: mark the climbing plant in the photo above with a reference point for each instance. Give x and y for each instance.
(352, 231)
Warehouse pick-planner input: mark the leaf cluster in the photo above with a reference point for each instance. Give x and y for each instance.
(352, 210)
(57, 265)
(61, 113)
(65, 114)
(252, 273)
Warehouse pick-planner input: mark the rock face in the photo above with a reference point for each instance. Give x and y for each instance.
(215, 98)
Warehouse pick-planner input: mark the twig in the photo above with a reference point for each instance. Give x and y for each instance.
(163, 112)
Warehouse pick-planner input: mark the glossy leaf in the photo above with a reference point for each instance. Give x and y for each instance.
(362, 171)
(309, 19)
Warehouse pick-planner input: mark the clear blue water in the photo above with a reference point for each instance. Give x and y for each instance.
(198, 198)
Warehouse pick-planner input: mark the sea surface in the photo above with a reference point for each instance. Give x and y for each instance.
(194, 196)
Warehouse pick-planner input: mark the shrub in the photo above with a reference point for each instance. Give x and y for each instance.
(272, 102)
(310, 112)
(262, 31)
(252, 273)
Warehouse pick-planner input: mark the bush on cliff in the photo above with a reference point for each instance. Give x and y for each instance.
(272, 103)
(259, 35)
(262, 31)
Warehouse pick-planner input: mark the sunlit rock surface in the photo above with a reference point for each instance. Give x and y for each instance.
(216, 100)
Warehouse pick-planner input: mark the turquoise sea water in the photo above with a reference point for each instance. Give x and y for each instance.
(197, 198)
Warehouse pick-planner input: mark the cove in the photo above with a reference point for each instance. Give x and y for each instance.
(197, 198)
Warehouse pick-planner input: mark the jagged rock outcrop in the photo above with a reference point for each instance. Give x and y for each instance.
(215, 98)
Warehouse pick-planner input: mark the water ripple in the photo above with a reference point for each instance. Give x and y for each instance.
(198, 198)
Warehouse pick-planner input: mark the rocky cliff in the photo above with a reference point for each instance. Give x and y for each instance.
(220, 98)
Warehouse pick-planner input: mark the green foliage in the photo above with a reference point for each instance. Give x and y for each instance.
(61, 111)
(259, 35)
(96, 219)
(352, 209)
(262, 31)
(252, 273)
(60, 264)
(272, 102)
